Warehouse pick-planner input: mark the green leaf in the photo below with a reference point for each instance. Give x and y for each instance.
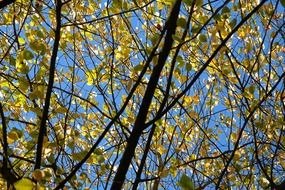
(226, 10)
(98, 151)
(40, 34)
(217, 17)
(185, 183)
(79, 155)
(202, 38)
(233, 23)
(42, 49)
(27, 55)
(181, 22)
(199, 3)
(23, 84)
(155, 38)
(188, 66)
(282, 3)
(180, 61)
(138, 67)
(188, 2)
(195, 29)
(176, 38)
(33, 95)
(38, 47)
(251, 89)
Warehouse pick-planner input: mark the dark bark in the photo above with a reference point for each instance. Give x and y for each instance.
(6, 172)
(142, 115)
(5, 142)
(163, 103)
(5, 3)
(43, 128)
(116, 117)
(280, 186)
(144, 157)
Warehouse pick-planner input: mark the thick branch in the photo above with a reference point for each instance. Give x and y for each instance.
(116, 117)
(280, 186)
(5, 3)
(42, 131)
(141, 117)
(5, 142)
(144, 157)
(6, 172)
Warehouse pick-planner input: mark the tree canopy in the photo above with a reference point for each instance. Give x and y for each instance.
(143, 94)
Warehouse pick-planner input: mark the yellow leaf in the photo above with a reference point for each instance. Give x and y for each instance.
(23, 84)
(129, 84)
(24, 184)
(193, 114)
(196, 99)
(167, 2)
(164, 173)
(160, 5)
(188, 100)
(34, 95)
(21, 41)
(161, 150)
(13, 135)
(241, 33)
(21, 66)
(89, 79)
(62, 110)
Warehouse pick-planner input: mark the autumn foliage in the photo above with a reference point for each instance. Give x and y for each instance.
(142, 94)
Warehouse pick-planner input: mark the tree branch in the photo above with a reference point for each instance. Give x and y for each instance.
(5, 3)
(42, 130)
(5, 142)
(142, 115)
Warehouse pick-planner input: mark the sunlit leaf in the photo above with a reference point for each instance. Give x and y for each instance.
(14, 135)
(21, 40)
(24, 184)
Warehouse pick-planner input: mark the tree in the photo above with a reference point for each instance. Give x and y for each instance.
(185, 94)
